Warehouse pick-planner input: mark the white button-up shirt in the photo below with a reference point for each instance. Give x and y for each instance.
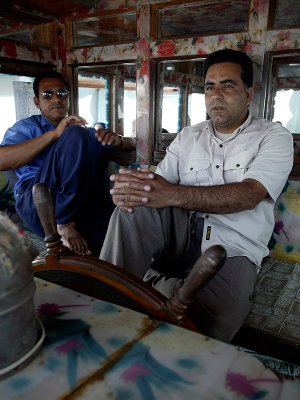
(259, 150)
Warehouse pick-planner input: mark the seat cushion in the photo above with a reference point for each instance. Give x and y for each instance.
(285, 240)
(273, 324)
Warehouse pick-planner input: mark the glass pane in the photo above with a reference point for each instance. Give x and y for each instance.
(107, 94)
(16, 98)
(171, 109)
(93, 99)
(95, 31)
(129, 108)
(287, 110)
(26, 27)
(284, 92)
(200, 18)
(24, 36)
(287, 13)
(196, 108)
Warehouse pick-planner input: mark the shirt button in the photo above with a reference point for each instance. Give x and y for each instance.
(218, 166)
(206, 216)
(191, 169)
(220, 145)
(237, 165)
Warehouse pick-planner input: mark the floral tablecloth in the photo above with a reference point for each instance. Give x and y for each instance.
(96, 350)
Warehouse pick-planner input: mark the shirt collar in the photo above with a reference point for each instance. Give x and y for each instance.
(210, 129)
(45, 122)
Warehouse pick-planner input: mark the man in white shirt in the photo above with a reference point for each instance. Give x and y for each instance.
(217, 184)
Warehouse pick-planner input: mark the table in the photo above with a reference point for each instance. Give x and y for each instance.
(97, 350)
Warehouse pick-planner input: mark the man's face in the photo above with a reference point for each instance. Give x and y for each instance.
(226, 97)
(55, 108)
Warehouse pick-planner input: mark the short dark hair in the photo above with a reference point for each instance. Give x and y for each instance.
(47, 74)
(233, 56)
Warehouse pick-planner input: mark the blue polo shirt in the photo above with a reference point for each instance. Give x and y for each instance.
(26, 129)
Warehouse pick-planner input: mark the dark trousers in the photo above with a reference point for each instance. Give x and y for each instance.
(74, 169)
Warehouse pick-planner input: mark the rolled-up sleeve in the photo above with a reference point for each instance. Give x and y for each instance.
(168, 167)
(273, 162)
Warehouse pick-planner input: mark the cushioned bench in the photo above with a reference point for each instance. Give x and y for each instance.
(273, 324)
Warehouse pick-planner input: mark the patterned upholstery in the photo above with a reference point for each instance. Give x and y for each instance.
(273, 324)
(276, 303)
(274, 319)
(285, 241)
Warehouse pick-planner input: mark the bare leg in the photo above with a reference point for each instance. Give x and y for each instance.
(72, 239)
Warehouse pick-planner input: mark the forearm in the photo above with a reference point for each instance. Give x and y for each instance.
(135, 188)
(219, 199)
(15, 155)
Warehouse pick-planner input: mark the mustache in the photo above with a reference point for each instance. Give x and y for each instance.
(218, 104)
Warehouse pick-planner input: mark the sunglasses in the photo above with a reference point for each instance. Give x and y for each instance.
(60, 93)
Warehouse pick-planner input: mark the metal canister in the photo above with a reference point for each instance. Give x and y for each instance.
(18, 329)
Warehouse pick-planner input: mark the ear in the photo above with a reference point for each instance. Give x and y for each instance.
(250, 94)
(36, 102)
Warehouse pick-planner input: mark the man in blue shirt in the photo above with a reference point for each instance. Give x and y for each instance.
(57, 149)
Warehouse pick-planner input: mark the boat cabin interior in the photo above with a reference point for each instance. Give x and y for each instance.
(137, 67)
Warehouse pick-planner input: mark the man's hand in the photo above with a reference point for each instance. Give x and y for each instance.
(68, 121)
(133, 188)
(16, 155)
(108, 137)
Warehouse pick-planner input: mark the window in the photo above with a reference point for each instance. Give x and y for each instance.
(171, 108)
(129, 107)
(287, 110)
(281, 95)
(179, 98)
(93, 99)
(196, 108)
(107, 94)
(16, 98)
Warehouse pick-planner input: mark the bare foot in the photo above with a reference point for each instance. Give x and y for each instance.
(72, 239)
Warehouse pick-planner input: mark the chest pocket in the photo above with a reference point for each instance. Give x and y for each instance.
(195, 172)
(236, 165)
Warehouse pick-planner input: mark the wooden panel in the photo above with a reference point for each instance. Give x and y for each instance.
(284, 14)
(193, 18)
(22, 67)
(119, 27)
